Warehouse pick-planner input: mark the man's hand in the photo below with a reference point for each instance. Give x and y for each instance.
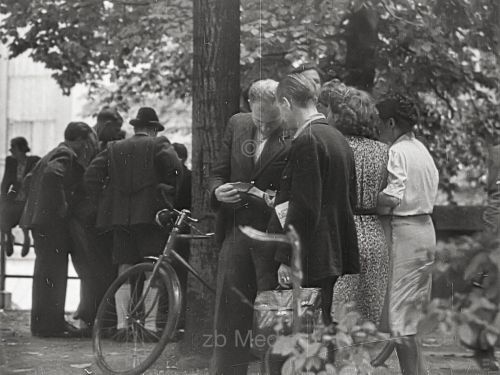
(284, 276)
(226, 193)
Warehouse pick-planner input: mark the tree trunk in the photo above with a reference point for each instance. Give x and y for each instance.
(216, 88)
(361, 40)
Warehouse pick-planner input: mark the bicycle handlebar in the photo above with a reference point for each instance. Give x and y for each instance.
(184, 216)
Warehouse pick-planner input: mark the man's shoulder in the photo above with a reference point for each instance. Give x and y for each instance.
(10, 160)
(61, 150)
(241, 120)
(33, 158)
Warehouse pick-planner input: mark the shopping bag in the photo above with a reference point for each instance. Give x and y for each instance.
(273, 316)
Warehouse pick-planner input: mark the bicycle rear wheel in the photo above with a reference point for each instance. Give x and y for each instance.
(135, 320)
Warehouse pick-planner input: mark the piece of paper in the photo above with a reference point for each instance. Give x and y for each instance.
(281, 211)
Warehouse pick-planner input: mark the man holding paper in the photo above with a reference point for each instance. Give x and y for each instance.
(316, 194)
(242, 186)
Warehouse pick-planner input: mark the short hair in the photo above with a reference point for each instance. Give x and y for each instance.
(263, 90)
(298, 88)
(401, 108)
(77, 130)
(181, 150)
(109, 114)
(21, 143)
(356, 110)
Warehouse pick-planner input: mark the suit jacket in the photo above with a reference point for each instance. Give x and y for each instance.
(184, 197)
(234, 164)
(10, 173)
(54, 188)
(319, 182)
(124, 179)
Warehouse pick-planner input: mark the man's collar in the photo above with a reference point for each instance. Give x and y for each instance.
(314, 117)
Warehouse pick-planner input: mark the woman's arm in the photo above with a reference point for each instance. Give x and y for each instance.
(393, 193)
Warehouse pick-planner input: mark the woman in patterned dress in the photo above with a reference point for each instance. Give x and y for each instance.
(354, 113)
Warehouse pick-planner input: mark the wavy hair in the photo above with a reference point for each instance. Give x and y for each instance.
(355, 110)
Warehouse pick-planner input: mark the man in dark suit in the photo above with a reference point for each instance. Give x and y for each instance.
(253, 151)
(318, 185)
(131, 179)
(54, 191)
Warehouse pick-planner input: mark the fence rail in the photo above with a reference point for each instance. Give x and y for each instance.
(4, 275)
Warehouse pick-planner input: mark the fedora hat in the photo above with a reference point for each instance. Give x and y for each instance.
(146, 116)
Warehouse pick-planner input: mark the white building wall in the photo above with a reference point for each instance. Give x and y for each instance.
(32, 105)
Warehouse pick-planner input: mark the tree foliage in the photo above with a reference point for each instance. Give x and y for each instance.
(444, 53)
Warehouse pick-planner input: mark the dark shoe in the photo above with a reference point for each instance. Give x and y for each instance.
(486, 360)
(68, 332)
(8, 244)
(178, 335)
(150, 336)
(26, 249)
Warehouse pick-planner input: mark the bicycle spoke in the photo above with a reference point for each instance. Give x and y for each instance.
(134, 346)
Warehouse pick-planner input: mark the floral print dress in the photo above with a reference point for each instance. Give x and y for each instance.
(367, 289)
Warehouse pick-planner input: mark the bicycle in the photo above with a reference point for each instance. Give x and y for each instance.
(151, 317)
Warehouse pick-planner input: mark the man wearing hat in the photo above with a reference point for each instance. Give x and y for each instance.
(126, 179)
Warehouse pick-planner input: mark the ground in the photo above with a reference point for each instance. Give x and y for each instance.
(20, 353)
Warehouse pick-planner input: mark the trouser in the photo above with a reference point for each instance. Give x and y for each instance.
(244, 267)
(52, 246)
(91, 256)
(326, 286)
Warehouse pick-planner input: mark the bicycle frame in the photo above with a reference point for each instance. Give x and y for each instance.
(168, 252)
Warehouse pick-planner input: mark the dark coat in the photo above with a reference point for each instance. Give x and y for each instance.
(125, 179)
(319, 182)
(235, 165)
(184, 198)
(54, 188)
(10, 173)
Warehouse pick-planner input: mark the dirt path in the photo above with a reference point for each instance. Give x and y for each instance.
(20, 353)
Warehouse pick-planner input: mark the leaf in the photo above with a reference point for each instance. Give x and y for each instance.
(428, 324)
(369, 327)
(491, 338)
(343, 340)
(330, 369)
(284, 345)
(348, 370)
(467, 335)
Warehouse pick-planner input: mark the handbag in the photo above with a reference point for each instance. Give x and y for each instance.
(273, 316)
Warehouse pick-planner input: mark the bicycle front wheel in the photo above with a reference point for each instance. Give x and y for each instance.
(135, 320)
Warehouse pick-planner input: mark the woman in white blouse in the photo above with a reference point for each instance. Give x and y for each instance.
(409, 197)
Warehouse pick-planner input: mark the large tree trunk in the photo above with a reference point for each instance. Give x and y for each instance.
(216, 88)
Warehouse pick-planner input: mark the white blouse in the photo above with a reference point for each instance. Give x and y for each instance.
(412, 177)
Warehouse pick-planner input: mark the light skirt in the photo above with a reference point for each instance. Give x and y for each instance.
(412, 245)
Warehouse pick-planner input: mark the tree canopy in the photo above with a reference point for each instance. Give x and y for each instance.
(443, 53)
